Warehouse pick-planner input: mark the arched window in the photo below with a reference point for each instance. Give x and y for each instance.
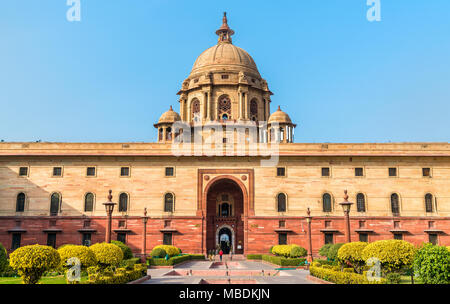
(168, 202)
(123, 202)
(169, 133)
(360, 202)
(195, 110)
(254, 110)
(224, 108)
(395, 205)
(429, 202)
(326, 202)
(160, 136)
(20, 202)
(55, 203)
(281, 202)
(89, 202)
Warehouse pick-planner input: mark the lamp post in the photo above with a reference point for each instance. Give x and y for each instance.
(308, 220)
(109, 206)
(144, 235)
(346, 206)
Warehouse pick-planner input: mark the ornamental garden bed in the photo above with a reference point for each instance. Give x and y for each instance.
(173, 261)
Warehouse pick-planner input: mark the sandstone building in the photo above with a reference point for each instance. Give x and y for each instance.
(52, 193)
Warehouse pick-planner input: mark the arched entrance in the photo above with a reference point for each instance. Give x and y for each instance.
(224, 216)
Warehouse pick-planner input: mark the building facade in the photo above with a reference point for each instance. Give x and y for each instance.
(52, 193)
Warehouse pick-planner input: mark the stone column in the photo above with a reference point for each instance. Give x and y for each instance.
(267, 109)
(164, 134)
(246, 112)
(241, 106)
(182, 109)
(208, 106)
(188, 111)
(205, 105)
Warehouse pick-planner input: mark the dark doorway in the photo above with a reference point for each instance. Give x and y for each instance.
(225, 240)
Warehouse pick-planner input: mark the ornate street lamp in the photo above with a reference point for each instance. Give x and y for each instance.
(144, 235)
(346, 206)
(109, 206)
(308, 220)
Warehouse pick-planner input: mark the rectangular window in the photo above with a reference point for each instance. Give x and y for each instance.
(23, 171)
(166, 223)
(169, 171)
(87, 224)
(282, 239)
(433, 238)
(86, 241)
(121, 224)
(224, 76)
(51, 240)
(328, 238)
(392, 172)
(363, 237)
(326, 172)
(359, 172)
(281, 171)
(426, 172)
(362, 224)
(398, 236)
(430, 224)
(16, 238)
(327, 224)
(57, 171)
(396, 224)
(125, 171)
(90, 171)
(282, 224)
(167, 238)
(122, 237)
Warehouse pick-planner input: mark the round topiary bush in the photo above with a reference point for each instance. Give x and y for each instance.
(32, 261)
(332, 252)
(393, 255)
(107, 254)
(3, 259)
(323, 251)
(158, 253)
(127, 253)
(432, 264)
(84, 254)
(169, 249)
(351, 253)
(297, 251)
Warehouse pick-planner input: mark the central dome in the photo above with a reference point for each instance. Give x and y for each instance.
(224, 55)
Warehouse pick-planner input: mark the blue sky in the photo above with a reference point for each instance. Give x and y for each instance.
(110, 76)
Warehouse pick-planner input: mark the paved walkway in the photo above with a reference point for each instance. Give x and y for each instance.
(208, 272)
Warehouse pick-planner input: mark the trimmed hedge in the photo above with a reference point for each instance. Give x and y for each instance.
(169, 249)
(281, 261)
(323, 251)
(254, 257)
(84, 254)
(174, 260)
(292, 251)
(129, 263)
(120, 276)
(322, 262)
(32, 261)
(3, 259)
(333, 250)
(432, 264)
(158, 253)
(351, 253)
(340, 277)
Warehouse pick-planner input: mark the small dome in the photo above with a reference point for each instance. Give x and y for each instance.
(279, 117)
(169, 117)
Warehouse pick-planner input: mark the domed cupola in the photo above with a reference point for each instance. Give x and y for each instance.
(281, 128)
(165, 124)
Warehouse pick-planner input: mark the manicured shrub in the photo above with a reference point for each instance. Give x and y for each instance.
(323, 251)
(432, 264)
(282, 261)
(129, 263)
(254, 256)
(325, 262)
(393, 278)
(298, 251)
(84, 254)
(158, 253)
(393, 255)
(270, 250)
(107, 254)
(127, 253)
(351, 253)
(333, 250)
(170, 250)
(120, 276)
(340, 277)
(32, 261)
(174, 260)
(292, 251)
(3, 259)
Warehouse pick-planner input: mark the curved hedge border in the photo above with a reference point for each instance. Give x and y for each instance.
(339, 277)
(174, 260)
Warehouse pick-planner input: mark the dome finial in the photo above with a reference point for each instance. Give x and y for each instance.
(279, 108)
(170, 108)
(224, 32)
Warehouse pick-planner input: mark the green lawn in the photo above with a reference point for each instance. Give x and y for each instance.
(44, 280)
(407, 280)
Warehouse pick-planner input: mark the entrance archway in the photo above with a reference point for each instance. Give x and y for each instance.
(224, 216)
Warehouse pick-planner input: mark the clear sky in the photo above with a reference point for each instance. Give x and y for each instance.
(110, 76)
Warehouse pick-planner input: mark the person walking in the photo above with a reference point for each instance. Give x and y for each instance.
(220, 254)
